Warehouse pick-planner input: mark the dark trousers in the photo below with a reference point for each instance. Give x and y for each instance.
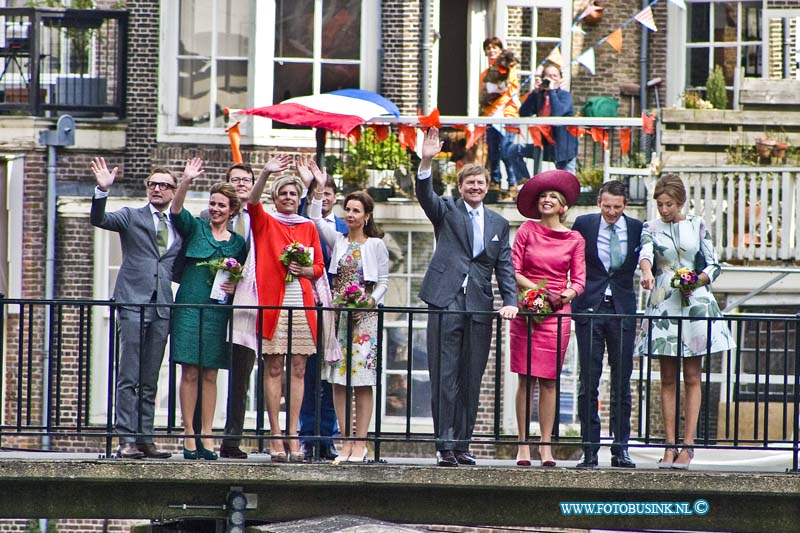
(594, 336)
(327, 422)
(142, 341)
(242, 361)
(458, 349)
(498, 144)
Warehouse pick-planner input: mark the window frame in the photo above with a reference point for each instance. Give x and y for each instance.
(256, 131)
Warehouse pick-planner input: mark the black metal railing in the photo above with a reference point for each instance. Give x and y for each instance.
(64, 60)
(53, 371)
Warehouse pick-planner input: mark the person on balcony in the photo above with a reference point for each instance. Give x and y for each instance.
(285, 286)
(670, 243)
(358, 258)
(548, 256)
(150, 245)
(471, 242)
(549, 99)
(612, 253)
(199, 334)
(499, 97)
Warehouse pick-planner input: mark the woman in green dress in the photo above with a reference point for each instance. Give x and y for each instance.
(199, 333)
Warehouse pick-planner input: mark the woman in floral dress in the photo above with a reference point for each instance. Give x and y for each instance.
(359, 258)
(671, 242)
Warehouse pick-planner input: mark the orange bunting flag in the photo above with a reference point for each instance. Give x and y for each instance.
(431, 119)
(648, 124)
(381, 132)
(539, 132)
(615, 40)
(577, 131)
(625, 140)
(407, 137)
(600, 135)
(555, 57)
(235, 137)
(475, 135)
(354, 135)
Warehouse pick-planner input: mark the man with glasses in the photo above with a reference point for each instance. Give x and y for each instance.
(149, 248)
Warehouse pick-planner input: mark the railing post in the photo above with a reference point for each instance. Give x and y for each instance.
(795, 417)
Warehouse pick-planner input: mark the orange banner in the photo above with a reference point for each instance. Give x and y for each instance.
(354, 135)
(537, 133)
(624, 140)
(381, 131)
(577, 131)
(649, 124)
(407, 137)
(431, 119)
(615, 40)
(475, 135)
(235, 137)
(600, 135)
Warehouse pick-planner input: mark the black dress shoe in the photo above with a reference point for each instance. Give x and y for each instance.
(464, 458)
(128, 450)
(589, 460)
(446, 458)
(232, 453)
(151, 452)
(622, 460)
(328, 453)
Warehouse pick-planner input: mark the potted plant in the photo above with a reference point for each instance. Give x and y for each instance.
(590, 178)
(716, 92)
(372, 163)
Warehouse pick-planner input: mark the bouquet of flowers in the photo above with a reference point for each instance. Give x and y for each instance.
(295, 252)
(535, 301)
(226, 264)
(354, 296)
(685, 281)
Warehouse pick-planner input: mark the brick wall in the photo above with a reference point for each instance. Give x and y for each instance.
(402, 25)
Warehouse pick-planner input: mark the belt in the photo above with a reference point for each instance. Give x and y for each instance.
(608, 299)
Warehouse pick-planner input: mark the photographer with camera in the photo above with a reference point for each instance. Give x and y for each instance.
(548, 99)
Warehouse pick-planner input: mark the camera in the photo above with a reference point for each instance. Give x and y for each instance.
(545, 84)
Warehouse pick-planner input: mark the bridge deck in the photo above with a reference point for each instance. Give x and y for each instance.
(58, 485)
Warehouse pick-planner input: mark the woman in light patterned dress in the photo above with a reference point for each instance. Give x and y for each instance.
(359, 258)
(669, 243)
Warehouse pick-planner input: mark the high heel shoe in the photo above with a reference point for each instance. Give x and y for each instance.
(341, 458)
(683, 466)
(189, 454)
(356, 459)
(208, 455)
(671, 450)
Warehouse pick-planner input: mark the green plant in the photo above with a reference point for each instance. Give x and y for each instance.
(379, 155)
(635, 160)
(591, 177)
(354, 173)
(741, 154)
(716, 93)
(692, 100)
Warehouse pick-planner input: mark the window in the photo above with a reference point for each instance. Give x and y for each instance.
(725, 34)
(410, 253)
(257, 53)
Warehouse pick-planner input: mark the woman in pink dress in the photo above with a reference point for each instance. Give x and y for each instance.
(544, 251)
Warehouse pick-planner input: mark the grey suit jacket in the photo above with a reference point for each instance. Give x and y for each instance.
(453, 260)
(143, 272)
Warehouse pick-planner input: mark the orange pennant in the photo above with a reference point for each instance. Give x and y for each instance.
(475, 135)
(648, 124)
(235, 137)
(538, 133)
(354, 135)
(600, 135)
(624, 140)
(577, 131)
(407, 137)
(615, 40)
(431, 119)
(381, 131)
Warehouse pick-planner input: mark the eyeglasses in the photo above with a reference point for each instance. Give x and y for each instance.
(162, 186)
(246, 180)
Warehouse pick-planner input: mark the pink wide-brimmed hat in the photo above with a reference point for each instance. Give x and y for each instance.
(550, 180)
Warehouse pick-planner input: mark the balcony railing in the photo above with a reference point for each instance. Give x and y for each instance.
(63, 61)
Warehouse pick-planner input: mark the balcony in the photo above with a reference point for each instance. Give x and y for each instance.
(57, 61)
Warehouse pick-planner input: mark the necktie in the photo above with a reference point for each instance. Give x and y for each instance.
(546, 111)
(239, 227)
(616, 251)
(477, 235)
(162, 233)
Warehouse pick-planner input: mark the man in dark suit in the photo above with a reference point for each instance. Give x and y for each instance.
(328, 425)
(149, 248)
(471, 242)
(612, 253)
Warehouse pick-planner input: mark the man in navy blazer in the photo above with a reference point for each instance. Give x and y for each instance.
(612, 254)
(459, 278)
(549, 99)
(328, 425)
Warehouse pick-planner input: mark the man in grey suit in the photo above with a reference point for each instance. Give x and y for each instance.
(149, 247)
(471, 242)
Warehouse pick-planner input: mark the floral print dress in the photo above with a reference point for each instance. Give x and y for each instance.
(364, 350)
(669, 247)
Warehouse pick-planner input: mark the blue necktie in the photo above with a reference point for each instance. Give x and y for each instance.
(615, 249)
(477, 235)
